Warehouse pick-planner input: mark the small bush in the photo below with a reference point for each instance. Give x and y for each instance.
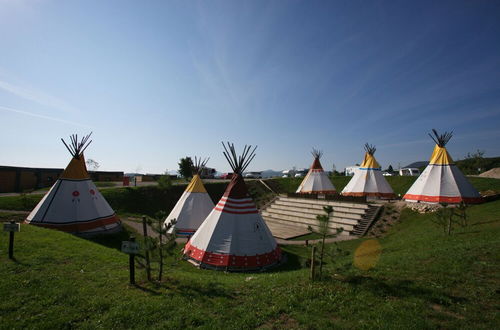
(165, 182)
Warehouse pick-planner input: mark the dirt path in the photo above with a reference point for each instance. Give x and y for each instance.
(14, 212)
(138, 228)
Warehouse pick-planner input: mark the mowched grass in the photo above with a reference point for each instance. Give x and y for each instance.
(423, 279)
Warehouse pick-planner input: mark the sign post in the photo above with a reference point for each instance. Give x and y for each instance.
(145, 231)
(11, 227)
(131, 248)
(313, 266)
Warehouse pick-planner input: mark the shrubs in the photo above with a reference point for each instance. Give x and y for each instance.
(165, 182)
(151, 199)
(24, 202)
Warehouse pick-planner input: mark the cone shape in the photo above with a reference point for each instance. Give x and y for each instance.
(75, 205)
(234, 236)
(191, 209)
(316, 181)
(442, 182)
(369, 181)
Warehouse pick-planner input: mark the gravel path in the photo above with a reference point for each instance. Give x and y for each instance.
(138, 228)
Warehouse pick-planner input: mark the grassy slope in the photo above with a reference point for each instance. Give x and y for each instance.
(423, 279)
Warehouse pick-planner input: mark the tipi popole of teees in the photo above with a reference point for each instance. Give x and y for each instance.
(368, 179)
(194, 205)
(234, 237)
(442, 181)
(74, 204)
(316, 181)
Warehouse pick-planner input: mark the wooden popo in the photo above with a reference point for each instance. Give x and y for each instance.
(145, 231)
(131, 248)
(313, 266)
(11, 227)
(131, 263)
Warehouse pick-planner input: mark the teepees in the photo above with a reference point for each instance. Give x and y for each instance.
(442, 181)
(74, 204)
(234, 236)
(316, 181)
(368, 179)
(194, 205)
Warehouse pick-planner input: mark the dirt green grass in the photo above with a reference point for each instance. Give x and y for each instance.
(423, 279)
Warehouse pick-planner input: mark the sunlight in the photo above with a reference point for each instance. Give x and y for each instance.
(367, 254)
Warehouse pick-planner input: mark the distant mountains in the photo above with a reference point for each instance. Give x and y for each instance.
(418, 164)
(271, 173)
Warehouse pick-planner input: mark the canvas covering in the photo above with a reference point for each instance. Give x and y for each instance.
(234, 236)
(316, 181)
(191, 209)
(75, 205)
(442, 182)
(368, 181)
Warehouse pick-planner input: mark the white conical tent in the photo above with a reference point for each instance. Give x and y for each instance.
(234, 236)
(74, 204)
(368, 179)
(442, 181)
(193, 207)
(316, 181)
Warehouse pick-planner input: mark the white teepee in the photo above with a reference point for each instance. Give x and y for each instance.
(316, 181)
(74, 204)
(368, 179)
(442, 181)
(193, 206)
(234, 236)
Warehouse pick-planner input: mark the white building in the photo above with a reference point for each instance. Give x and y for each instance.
(349, 171)
(409, 171)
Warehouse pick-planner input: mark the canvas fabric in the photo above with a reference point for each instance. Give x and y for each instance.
(76, 170)
(370, 162)
(442, 182)
(440, 156)
(74, 205)
(191, 209)
(368, 181)
(316, 180)
(234, 235)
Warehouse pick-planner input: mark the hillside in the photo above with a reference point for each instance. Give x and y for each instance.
(423, 279)
(471, 165)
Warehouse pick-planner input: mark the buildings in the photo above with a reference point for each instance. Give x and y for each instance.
(20, 179)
